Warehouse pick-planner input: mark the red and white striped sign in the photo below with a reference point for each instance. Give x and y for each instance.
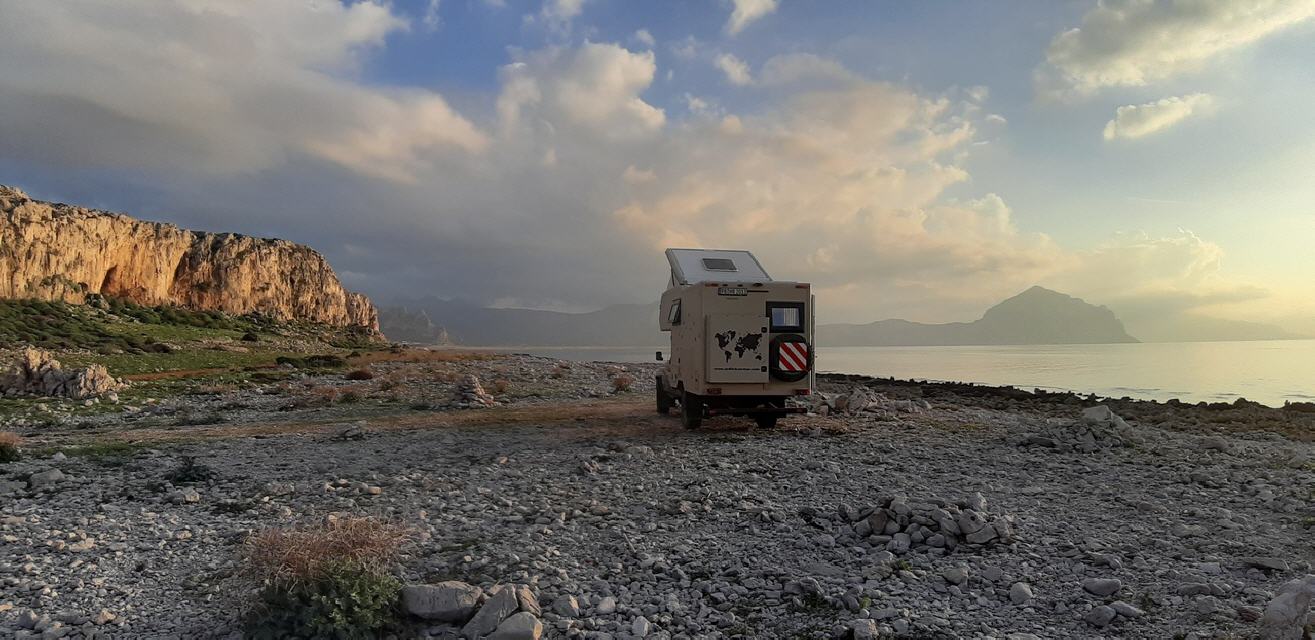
(793, 356)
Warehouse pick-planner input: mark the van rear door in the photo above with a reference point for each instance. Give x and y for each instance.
(737, 348)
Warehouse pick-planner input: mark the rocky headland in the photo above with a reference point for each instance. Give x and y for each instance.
(51, 251)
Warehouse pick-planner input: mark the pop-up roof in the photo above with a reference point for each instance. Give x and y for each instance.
(689, 266)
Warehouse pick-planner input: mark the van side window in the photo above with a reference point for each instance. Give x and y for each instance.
(673, 314)
(786, 316)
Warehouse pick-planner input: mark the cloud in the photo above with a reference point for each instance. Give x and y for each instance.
(594, 90)
(561, 193)
(1138, 120)
(797, 68)
(561, 10)
(1137, 42)
(747, 11)
(431, 19)
(216, 87)
(737, 72)
(645, 38)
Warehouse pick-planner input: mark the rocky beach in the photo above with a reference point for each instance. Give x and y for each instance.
(542, 498)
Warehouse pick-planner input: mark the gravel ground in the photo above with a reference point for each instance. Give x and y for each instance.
(1176, 524)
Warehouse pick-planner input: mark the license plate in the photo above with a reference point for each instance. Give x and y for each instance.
(732, 291)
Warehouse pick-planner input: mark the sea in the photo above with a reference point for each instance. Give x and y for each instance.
(1268, 372)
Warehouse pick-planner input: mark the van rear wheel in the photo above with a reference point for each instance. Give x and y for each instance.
(691, 410)
(766, 420)
(663, 397)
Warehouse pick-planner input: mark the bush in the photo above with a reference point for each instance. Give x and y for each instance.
(325, 362)
(190, 472)
(499, 385)
(250, 336)
(621, 382)
(360, 374)
(331, 581)
(10, 447)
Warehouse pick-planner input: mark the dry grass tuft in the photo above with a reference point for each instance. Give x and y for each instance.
(296, 556)
(499, 385)
(10, 446)
(622, 382)
(560, 371)
(360, 374)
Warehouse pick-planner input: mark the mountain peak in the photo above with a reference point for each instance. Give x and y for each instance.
(1035, 316)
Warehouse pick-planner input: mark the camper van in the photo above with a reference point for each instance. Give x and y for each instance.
(741, 343)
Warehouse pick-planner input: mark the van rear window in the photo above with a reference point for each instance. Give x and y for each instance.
(719, 264)
(786, 316)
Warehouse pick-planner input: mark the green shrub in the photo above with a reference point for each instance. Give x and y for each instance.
(189, 471)
(331, 581)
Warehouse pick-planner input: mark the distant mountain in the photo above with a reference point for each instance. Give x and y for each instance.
(1035, 316)
(401, 324)
(1190, 327)
(615, 326)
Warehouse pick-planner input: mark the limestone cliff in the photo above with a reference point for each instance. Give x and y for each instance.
(60, 252)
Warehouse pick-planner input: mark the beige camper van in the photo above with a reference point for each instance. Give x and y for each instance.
(741, 343)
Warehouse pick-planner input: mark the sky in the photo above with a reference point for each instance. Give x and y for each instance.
(918, 160)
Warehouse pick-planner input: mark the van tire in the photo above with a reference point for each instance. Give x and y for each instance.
(691, 410)
(663, 397)
(766, 420)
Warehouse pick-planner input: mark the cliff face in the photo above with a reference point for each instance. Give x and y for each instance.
(60, 252)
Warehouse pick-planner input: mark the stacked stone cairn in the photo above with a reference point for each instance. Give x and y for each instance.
(470, 393)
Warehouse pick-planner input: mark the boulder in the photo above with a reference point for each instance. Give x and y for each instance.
(500, 605)
(37, 372)
(521, 626)
(45, 478)
(566, 606)
(1286, 615)
(1101, 616)
(1020, 593)
(1102, 586)
(450, 601)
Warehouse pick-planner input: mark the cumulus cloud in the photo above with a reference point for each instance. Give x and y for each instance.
(1136, 42)
(795, 68)
(1138, 120)
(747, 11)
(215, 86)
(645, 38)
(737, 72)
(594, 89)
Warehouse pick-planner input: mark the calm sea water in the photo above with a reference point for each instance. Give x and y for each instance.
(1269, 372)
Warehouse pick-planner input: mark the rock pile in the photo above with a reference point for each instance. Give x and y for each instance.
(470, 393)
(506, 612)
(861, 399)
(1100, 428)
(933, 525)
(37, 372)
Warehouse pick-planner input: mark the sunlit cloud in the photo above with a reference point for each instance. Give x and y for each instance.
(747, 11)
(1122, 43)
(1138, 120)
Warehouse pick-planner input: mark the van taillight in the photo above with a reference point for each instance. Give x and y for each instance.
(802, 285)
(802, 392)
(714, 391)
